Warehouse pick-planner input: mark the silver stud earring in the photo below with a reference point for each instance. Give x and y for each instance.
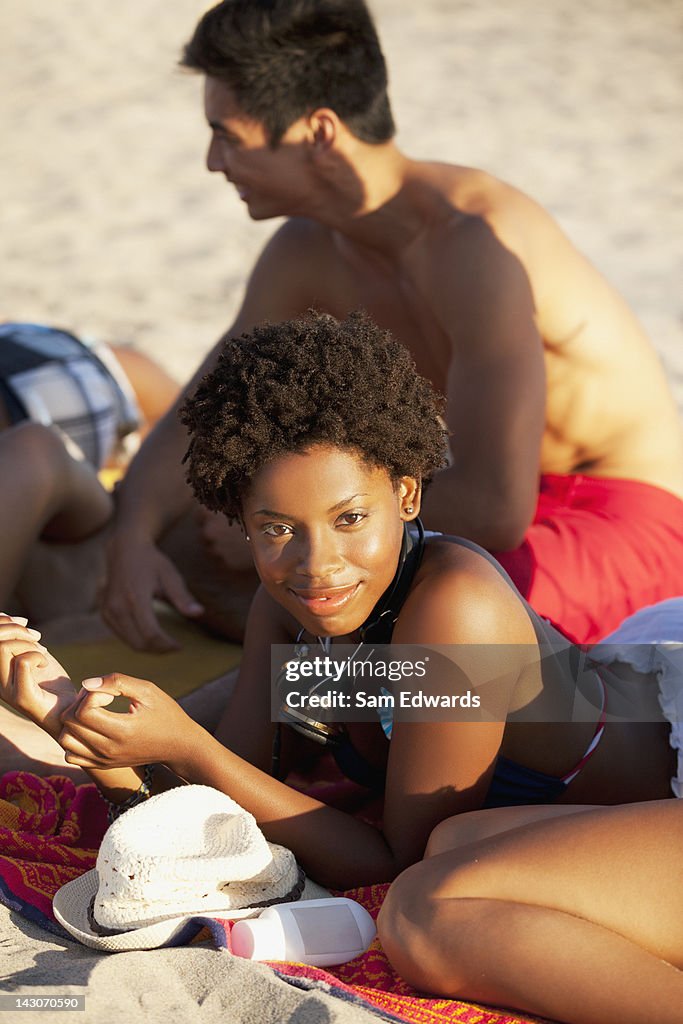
(247, 537)
(409, 509)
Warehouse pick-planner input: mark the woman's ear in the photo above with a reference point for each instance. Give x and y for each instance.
(243, 528)
(410, 497)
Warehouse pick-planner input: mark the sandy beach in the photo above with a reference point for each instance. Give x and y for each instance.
(112, 226)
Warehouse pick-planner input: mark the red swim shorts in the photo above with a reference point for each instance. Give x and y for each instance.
(598, 550)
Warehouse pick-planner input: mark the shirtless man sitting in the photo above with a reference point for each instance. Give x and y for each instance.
(567, 455)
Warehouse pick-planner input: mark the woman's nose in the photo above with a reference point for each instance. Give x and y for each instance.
(319, 557)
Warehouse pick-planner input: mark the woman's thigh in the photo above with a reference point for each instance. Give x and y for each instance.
(619, 867)
(473, 826)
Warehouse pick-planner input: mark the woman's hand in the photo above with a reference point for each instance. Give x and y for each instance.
(31, 680)
(154, 729)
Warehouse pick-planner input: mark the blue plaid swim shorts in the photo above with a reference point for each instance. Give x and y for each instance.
(50, 376)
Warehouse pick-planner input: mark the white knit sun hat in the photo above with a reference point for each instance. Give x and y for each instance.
(190, 852)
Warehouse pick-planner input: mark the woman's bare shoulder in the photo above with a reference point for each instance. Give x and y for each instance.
(459, 597)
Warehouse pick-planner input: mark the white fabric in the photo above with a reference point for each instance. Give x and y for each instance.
(651, 642)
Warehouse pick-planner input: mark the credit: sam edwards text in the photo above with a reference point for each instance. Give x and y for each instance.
(362, 699)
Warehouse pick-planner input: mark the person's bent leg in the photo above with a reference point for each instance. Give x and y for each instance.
(48, 494)
(473, 826)
(577, 918)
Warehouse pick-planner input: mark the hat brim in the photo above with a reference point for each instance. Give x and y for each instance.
(71, 904)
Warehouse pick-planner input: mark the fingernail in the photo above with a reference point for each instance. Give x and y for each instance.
(92, 684)
(36, 634)
(19, 619)
(194, 609)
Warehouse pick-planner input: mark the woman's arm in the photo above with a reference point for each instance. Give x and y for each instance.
(245, 726)
(333, 847)
(435, 769)
(478, 631)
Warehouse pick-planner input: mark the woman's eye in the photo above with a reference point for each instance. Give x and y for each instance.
(351, 518)
(277, 530)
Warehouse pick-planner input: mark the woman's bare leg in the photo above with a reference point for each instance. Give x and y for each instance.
(579, 918)
(473, 826)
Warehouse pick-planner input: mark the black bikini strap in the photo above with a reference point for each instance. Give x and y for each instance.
(379, 624)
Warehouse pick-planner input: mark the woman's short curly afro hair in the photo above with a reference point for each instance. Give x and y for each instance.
(286, 387)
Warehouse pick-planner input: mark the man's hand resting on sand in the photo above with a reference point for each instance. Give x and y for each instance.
(137, 573)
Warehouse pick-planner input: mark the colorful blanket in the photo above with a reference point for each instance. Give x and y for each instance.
(50, 830)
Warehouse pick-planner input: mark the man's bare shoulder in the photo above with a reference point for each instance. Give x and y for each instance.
(471, 203)
(301, 242)
(302, 262)
(302, 230)
(495, 251)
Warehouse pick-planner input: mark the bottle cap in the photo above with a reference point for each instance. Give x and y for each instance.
(256, 939)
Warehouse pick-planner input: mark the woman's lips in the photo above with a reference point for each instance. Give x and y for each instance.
(324, 602)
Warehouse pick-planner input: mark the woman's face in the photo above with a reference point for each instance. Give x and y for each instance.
(326, 531)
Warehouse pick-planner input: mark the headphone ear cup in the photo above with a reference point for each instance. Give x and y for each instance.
(319, 732)
(313, 728)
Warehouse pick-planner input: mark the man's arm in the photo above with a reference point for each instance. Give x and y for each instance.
(154, 494)
(495, 393)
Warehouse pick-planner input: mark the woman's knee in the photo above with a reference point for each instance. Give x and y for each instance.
(410, 926)
(447, 835)
(464, 829)
(435, 926)
(403, 922)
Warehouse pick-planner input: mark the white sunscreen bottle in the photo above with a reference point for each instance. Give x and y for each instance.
(317, 932)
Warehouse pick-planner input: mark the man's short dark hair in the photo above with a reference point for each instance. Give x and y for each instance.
(286, 387)
(286, 58)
